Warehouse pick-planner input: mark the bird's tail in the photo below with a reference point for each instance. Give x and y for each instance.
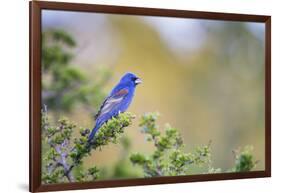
(92, 134)
(89, 142)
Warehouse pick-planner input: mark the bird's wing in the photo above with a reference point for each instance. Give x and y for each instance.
(112, 101)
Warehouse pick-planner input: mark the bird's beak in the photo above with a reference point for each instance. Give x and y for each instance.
(138, 81)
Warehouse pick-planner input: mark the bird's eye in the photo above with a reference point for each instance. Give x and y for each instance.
(133, 78)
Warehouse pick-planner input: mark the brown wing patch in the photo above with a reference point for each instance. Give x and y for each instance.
(121, 92)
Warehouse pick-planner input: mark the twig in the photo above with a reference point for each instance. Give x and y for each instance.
(64, 164)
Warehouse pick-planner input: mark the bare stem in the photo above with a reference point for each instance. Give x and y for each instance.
(64, 164)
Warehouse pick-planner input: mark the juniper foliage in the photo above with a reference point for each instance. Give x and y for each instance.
(169, 157)
(63, 155)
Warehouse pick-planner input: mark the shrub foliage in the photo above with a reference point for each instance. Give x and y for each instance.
(63, 155)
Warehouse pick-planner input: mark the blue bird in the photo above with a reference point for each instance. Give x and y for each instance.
(117, 102)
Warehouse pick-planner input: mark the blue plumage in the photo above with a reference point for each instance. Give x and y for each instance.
(117, 102)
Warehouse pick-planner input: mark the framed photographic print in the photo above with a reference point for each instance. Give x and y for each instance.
(123, 96)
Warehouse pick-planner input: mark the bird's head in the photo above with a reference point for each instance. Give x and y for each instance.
(131, 78)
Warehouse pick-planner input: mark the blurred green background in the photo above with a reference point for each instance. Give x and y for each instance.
(205, 77)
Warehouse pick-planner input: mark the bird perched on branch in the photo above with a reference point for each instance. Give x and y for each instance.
(117, 102)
